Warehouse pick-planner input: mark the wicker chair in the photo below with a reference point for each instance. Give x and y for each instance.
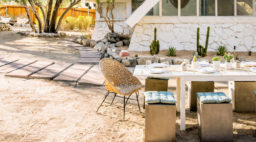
(119, 80)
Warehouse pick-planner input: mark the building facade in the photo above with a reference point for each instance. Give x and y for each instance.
(232, 23)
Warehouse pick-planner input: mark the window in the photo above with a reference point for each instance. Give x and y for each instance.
(170, 8)
(244, 7)
(188, 7)
(153, 12)
(207, 7)
(119, 11)
(225, 7)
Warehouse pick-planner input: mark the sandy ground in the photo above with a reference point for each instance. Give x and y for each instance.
(41, 110)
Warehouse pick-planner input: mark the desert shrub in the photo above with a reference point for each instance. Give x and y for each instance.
(221, 50)
(82, 23)
(172, 51)
(70, 23)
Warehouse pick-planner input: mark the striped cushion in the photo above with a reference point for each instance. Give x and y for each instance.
(159, 97)
(213, 97)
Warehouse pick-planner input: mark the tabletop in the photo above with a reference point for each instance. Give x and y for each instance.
(175, 71)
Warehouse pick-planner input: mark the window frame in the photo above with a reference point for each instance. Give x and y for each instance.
(216, 10)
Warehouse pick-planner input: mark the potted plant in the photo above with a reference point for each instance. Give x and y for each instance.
(228, 57)
(216, 62)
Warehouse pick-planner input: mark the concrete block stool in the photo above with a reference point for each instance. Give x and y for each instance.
(155, 84)
(160, 121)
(244, 97)
(195, 87)
(255, 100)
(215, 117)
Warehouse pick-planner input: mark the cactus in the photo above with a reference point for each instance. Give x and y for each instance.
(155, 46)
(202, 51)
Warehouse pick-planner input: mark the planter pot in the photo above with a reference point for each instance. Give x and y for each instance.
(216, 65)
(228, 65)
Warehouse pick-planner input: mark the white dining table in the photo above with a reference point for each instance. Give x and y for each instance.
(173, 71)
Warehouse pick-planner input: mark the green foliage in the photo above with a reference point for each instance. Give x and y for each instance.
(155, 45)
(221, 50)
(202, 51)
(216, 59)
(172, 51)
(228, 57)
(81, 22)
(70, 23)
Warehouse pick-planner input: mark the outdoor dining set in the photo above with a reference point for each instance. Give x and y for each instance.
(214, 109)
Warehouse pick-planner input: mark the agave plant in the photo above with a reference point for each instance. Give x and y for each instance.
(172, 51)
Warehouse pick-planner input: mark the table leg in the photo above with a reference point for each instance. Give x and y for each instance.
(182, 105)
(178, 94)
(231, 92)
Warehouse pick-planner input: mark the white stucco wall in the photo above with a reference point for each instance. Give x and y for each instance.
(101, 29)
(180, 32)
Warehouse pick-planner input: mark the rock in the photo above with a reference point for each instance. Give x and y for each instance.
(114, 49)
(126, 42)
(177, 61)
(93, 43)
(133, 61)
(169, 60)
(119, 44)
(126, 62)
(112, 46)
(104, 40)
(112, 40)
(99, 46)
(142, 60)
(63, 34)
(122, 37)
(84, 42)
(124, 53)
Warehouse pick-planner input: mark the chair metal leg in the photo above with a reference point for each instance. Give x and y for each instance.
(137, 96)
(103, 100)
(127, 99)
(113, 99)
(124, 109)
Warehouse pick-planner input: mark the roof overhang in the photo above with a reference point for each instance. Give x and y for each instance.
(140, 12)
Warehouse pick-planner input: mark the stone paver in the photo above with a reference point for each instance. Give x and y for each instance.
(29, 70)
(89, 60)
(93, 76)
(73, 73)
(4, 62)
(15, 65)
(51, 71)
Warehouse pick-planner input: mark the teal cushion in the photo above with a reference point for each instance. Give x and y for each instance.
(159, 97)
(255, 92)
(213, 97)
